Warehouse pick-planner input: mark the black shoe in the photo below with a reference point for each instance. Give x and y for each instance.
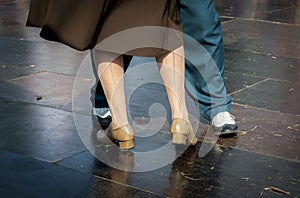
(101, 117)
(224, 124)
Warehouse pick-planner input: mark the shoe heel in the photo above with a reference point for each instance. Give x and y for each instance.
(192, 139)
(126, 144)
(179, 138)
(124, 136)
(182, 131)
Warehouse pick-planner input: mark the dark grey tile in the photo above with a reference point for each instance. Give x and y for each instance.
(221, 173)
(8, 72)
(55, 89)
(41, 132)
(236, 81)
(154, 181)
(13, 13)
(286, 15)
(271, 94)
(142, 98)
(13, 21)
(263, 131)
(43, 55)
(260, 65)
(13, 4)
(26, 177)
(278, 11)
(225, 19)
(150, 100)
(264, 37)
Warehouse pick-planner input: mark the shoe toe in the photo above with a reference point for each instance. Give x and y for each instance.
(227, 129)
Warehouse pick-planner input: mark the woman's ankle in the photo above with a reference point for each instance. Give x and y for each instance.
(119, 124)
(182, 116)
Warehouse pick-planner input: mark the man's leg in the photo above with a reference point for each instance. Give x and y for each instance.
(201, 21)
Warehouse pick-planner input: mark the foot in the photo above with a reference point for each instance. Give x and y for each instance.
(123, 135)
(182, 132)
(224, 124)
(102, 116)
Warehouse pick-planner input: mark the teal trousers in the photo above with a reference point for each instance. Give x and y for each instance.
(205, 75)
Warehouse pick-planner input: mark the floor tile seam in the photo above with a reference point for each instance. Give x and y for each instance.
(24, 76)
(249, 86)
(65, 74)
(32, 103)
(83, 172)
(129, 186)
(281, 80)
(38, 39)
(49, 106)
(263, 109)
(90, 79)
(102, 177)
(257, 52)
(242, 74)
(26, 155)
(71, 152)
(248, 151)
(261, 153)
(71, 111)
(228, 17)
(109, 180)
(39, 71)
(265, 21)
(78, 170)
(281, 9)
(69, 157)
(35, 39)
(264, 77)
(52, 72)
(55, 162)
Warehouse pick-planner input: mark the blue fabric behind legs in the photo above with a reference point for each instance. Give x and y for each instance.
(201, 21)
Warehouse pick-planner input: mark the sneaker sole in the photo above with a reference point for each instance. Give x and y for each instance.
(226, 130)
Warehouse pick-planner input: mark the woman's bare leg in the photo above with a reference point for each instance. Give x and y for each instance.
(111, 75)
(172, 73)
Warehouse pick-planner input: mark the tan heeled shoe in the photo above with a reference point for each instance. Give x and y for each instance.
(124, 135)
(182, 131)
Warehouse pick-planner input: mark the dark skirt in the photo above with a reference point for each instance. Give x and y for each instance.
(82, 24)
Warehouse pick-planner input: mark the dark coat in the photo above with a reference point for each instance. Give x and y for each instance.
(81, 24)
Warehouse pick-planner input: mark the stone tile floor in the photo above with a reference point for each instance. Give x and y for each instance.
(47, 137)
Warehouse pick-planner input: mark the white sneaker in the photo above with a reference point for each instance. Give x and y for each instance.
(224, 123)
